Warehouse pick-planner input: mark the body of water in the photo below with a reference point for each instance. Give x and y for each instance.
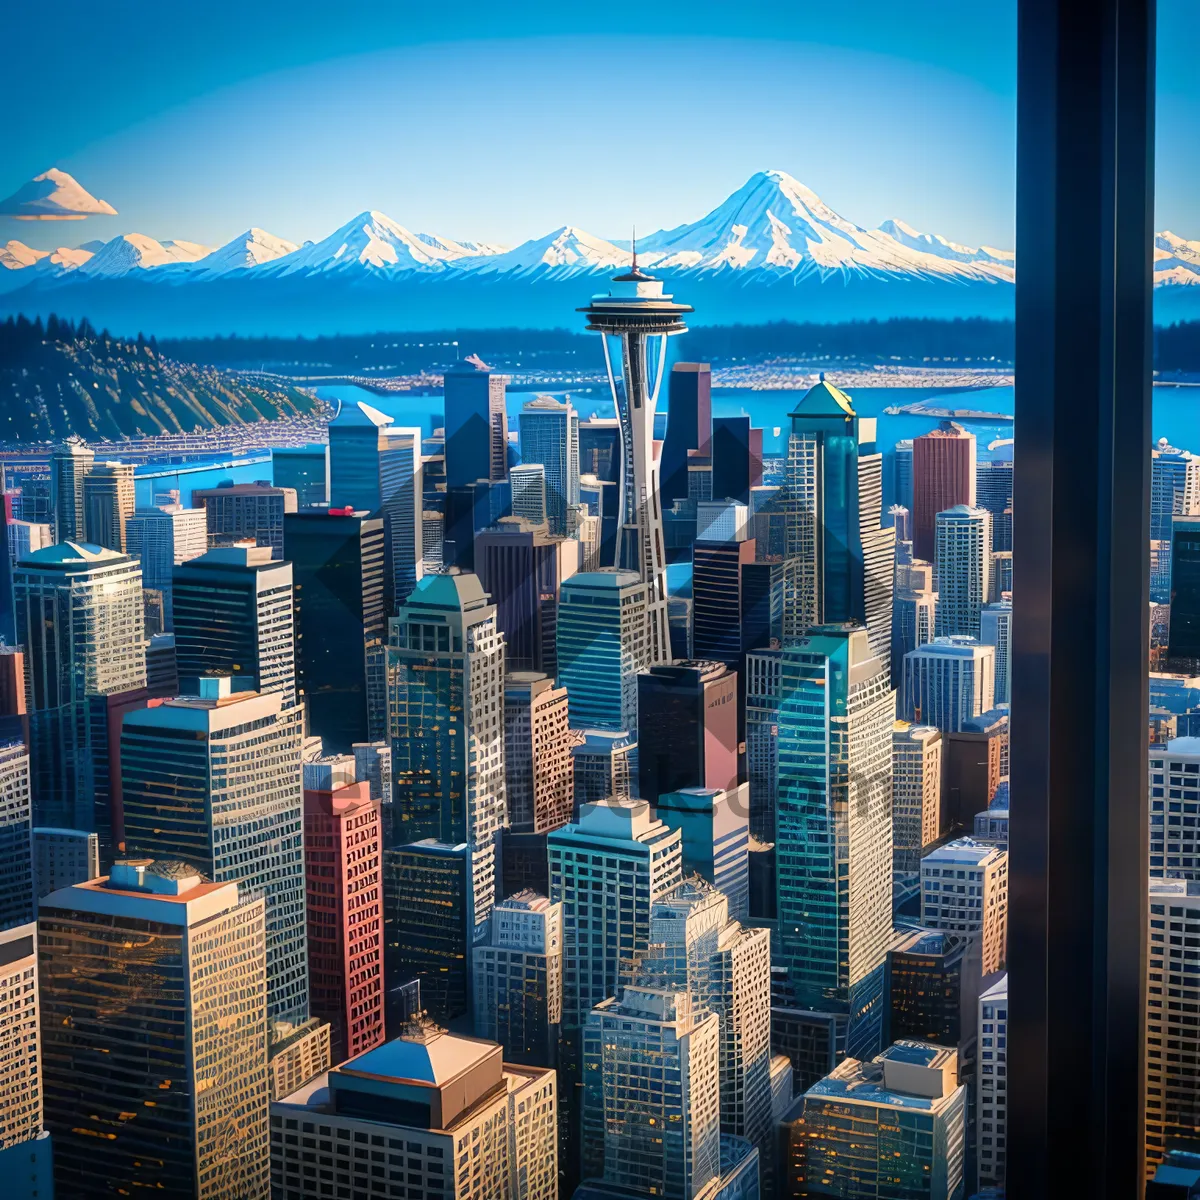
(156, 478)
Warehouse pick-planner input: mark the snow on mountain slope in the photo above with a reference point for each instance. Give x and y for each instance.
(567, 250)
(250, 249)
(458, 249)
(16, 255)
(934, 243)
(1176, 261)
(54, 196)
(775, 221)
(371, 241)
(137, 252)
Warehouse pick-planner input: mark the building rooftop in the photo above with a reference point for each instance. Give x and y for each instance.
(527, 900)
(71, 553)
(462, 592)
(909, 1075)
(437, 1059)
(607, 578)
(963, 850)
(359, 415)
(1182, 746)
(824, 400)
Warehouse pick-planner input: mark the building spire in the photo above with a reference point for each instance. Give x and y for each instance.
(633, 244)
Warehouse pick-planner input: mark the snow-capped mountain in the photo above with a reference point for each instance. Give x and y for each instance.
(54, 196)
(770, 251)
(250, 249)
(137, 252)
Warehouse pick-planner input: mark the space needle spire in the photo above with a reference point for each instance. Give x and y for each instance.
(635, 318)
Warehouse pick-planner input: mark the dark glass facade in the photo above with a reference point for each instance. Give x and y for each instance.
(689, 427)
(1183, 642)
(717, 599)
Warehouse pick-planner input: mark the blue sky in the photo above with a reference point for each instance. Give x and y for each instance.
(502, 122)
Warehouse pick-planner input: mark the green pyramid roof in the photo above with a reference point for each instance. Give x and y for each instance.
(824, 400)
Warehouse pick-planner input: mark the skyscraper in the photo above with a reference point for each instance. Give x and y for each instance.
(538, 768)
(522, 569)
(108, 502)
(303, 470)
(635, 318)
(994, 491)
(603, 642)
(446, 709)
(79, 616)
(343, 868)
(916, 793)
(736, 458)
(902, 474)
(995, 629)
(1174, 780)
(214, 779)
(893, 1126)
(948, 681)
(452, 1121)
(162, 538)
(401, 489)
(476, 424)
(605, 765)
(237, 511)
(762, 739)
(355, 443)
(689, 426)
(153, 1015)
(1183, 643)
(518, 979)
(943, 476)
(20, 1037)
(529, 492)
(338, 571)
(233, 615)
(718, 596)
(63, 857)
(69, 466)
(687, 729)
(841, 555)
(991, 1096)
(964, 889)
(963, 558)
(17, 895)
(833, 830)
(914, 623)
(550, 436)
(933, 983)
(1174, 492)
(715, 827)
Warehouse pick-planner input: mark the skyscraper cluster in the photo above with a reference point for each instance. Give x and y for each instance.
(420, 838)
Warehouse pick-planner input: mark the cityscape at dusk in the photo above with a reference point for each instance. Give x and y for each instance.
(511, 673)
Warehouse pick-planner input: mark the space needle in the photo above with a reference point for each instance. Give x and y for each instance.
(635, 318)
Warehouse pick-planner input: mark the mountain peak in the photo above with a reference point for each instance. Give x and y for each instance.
(53, 196)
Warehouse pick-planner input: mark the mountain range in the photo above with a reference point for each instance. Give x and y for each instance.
(773, 250)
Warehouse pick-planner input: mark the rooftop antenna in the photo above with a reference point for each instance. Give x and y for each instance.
(633, 244)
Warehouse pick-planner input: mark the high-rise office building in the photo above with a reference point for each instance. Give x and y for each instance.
(658, 1128)
(517, 974)
(762, 738)
(63, 857)
(687, 728)
(841, 555)
(995, 629)
(162, 538)
(153, 1002)
(355, 443)
(528, 482)
(948, 681)
(600, 448)
(236, 512)
(689, 427)
(476, 424)
(833, 829)
(69, 466)
(603, 642)
(17, 896)
(964, 889)
(975, 758)
(550, 436)
(441, 1115)
(234, 615)
(914, 624)
(401, 487)
(1174, 782)
(446, 709)
(79, 617)
(24, 537)
(902, 474)
(429, 925)
(933, 981)
(605, 765)
(962, 558)
(718, 598)
(20, 1039)
(214, 780)
(736, 458)
(635, 319)
(522, 569)
(303, 470)
(893, 1126)
(994, 491)
(343, 868)
(1183, 640)
(1174, 492)
(337, 562)
(991, 1089)
(108, 502)
(943, 475)
(715, 827)
(916, 793)
(538, 767)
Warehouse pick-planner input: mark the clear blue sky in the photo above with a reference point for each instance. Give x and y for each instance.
(502, 122)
